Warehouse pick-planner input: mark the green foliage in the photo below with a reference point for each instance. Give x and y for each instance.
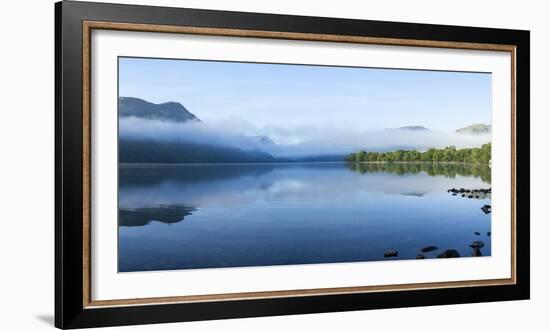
(450, 154)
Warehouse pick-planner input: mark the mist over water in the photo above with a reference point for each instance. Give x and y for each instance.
(295, 142)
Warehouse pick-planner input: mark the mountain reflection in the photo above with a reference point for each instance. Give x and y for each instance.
(164, 213)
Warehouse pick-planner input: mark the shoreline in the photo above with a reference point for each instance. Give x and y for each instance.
(290, 163)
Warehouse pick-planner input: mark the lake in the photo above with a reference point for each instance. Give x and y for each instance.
(233, 215)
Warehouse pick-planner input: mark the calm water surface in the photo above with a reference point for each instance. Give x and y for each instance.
(205, 216)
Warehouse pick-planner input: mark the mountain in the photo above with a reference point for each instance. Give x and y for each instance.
(264, 140)
(475, 129)
(140, 150)
(169, 111)
(409, 128)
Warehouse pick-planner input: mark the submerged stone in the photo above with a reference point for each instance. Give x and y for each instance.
(390, 253)
(429, 248)
(449, 254)
(477, 245)
(476, 252)
(486, 209)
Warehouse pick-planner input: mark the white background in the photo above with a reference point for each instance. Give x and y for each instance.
(26, 173)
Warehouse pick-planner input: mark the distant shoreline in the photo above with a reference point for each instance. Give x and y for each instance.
(414, 162)
(328, 162)
(259, 163)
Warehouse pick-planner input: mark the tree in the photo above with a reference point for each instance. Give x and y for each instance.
(361, 156)
(480, 155)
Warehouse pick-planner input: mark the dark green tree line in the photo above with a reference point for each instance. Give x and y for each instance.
(480, 155)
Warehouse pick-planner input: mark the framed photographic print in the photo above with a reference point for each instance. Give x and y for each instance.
(215, 164)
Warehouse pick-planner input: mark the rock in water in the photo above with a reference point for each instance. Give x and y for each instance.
(476, 252)
(477, 245)
(390, 253)
(486, 209)
(477, 233)
(488, 233)
(449, 254)
(420, 256)
(429, 248)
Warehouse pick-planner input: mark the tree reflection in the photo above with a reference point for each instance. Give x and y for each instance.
(449, 170)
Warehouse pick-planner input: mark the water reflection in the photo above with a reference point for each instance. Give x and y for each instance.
(449, 170)
(163, 213)
(281, 214)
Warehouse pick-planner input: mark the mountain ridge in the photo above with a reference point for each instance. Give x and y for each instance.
(475, 129)
(409, 128)
(167, 111)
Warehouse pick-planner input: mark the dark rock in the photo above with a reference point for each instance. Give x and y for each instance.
(470, 196)
(488, 233)
(454, 194)
(449, 254)
(486, 209)
(477, 233)
(463, 195)
(429, 248)
(420, 256)
(390, 253)
(476, 252)
(477, 245)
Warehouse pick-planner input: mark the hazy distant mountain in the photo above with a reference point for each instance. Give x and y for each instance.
(475, 129)
(264, 140)
(169, 111)
(409, 128)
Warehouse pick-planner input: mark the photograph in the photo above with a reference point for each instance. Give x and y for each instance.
(244, 164)
(226, 163)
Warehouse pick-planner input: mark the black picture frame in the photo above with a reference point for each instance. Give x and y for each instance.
(70, 309)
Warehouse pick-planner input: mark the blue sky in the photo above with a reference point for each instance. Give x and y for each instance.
(295, 96)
